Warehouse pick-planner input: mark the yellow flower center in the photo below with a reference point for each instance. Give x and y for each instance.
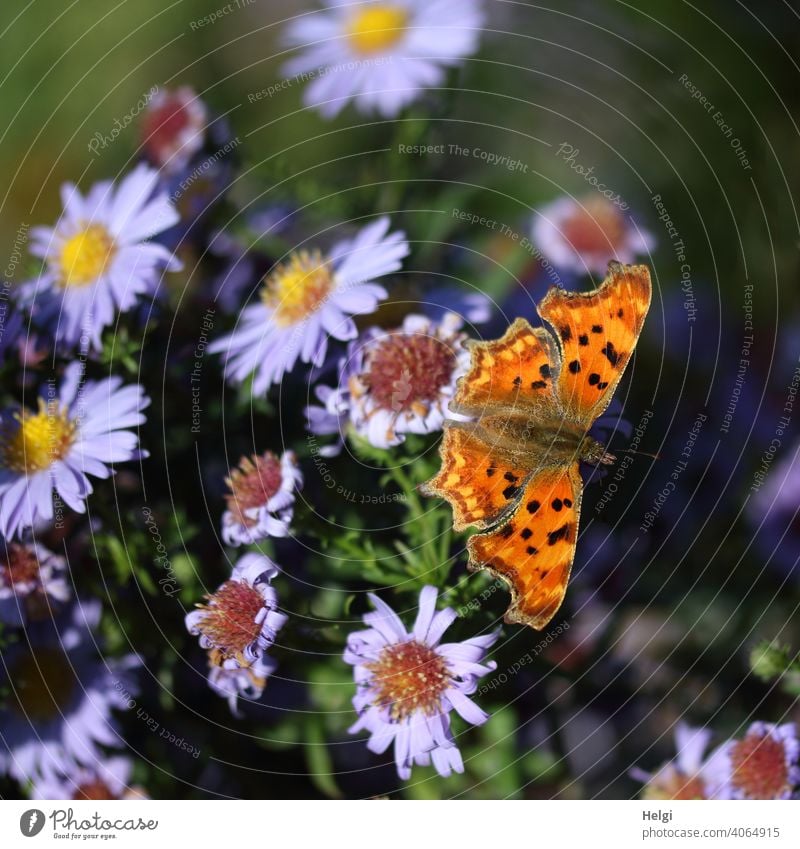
(377, 28)
(39, 439)
(298, 288)
(84, 256)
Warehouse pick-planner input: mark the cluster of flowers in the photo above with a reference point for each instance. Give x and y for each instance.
(108, 253)
(101, 259)
(763, 764)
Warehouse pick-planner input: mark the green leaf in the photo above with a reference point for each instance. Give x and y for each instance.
(320, 763)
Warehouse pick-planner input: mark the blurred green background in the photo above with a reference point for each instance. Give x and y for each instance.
(602, 76)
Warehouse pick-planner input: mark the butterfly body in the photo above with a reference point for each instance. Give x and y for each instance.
(513, 470)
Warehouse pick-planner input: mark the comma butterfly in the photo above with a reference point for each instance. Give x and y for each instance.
(514, 470)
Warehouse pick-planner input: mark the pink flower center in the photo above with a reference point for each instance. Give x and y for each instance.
(759, 766)
(596, 226)
(671, 783)
(252, 485)
(409, 677)
(163, 127)
(230, 617)
(94, 789)
(408, 371)
(20, 566)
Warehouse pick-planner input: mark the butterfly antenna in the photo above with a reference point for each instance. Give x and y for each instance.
(643, 453)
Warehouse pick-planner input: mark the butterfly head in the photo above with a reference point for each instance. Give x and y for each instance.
(595, 453)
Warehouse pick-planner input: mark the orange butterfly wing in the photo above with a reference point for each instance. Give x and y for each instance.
(478, 485)
(597, 332)
(566, 377)
(534, 549)
(517, 370)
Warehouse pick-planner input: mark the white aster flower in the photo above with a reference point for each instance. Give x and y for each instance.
(306, 300)
(98, 258)
(583, 234)
(381, 54)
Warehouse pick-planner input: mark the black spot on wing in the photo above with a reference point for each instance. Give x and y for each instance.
(507, 531)
(544, 371)
(610, 353)
(538, 384)
(594, 379)
(517, 381)
(583, 339)
(558, 534)
(557, 504)
(510, 491)
(574, 366)
(565, 333)
(532, 550)
(490, 471)
(597, 328)
(526, 533)
(533, 506)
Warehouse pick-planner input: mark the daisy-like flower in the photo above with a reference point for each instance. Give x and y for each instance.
(395, 382)
(583, 235)
(307, 299)
(75, 432)
(261, 498)
(33, 581)
(99, 257)
(237, 624)
(173, 128)
(107, 779)
(58, 712)
(683, 777)
(762, 765)
(409, 682)
(380, 54)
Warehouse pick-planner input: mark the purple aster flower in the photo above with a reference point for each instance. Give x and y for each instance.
(261, 498)
(762, 765)
(307, 299)
(99, 258)
(33, 581)
(409, 682)
(381, 53)
(58, 712)
(395, 382)
(76, 432)
(683, 777)
(237, 624)
(107, 779)
(582, 235)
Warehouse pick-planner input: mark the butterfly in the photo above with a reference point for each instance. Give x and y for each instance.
(513, 470)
